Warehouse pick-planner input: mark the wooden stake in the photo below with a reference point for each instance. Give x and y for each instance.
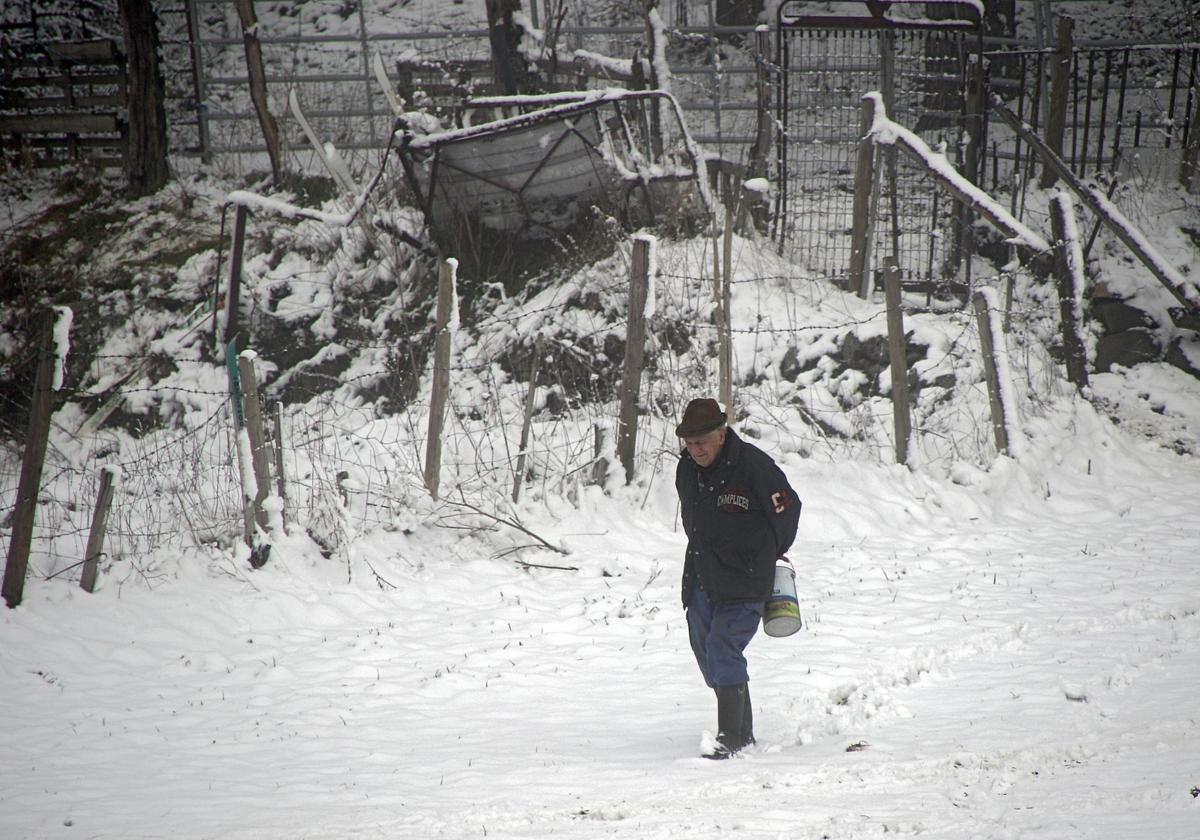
(599, 462)
(635, 348)
(239, 423)
(441, 378)
(280, 482)
(260, 461)
(1189, 168)
(1060, 94)
(898, 357)
(519, 476)
(1068, 293)
(258, 85)
(31, 465)
(235, 274)
(95, 543)
(987, 342)
(756, 159)
(864, 184)
(725, 324)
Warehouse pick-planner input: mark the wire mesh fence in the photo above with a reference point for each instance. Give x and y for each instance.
(1129, 115)
(324, 53)
(923, 75)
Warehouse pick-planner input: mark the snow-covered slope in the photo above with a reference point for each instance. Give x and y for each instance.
(1012, 659)
(994, 646)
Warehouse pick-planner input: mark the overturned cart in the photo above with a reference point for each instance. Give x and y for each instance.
(539, 172)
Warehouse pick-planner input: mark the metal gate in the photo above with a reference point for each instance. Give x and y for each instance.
(922, 67)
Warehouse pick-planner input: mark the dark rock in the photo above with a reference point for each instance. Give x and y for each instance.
(869, 356)
(1127, 349)
(790, 367)
(1116, 316)
(1175, 356)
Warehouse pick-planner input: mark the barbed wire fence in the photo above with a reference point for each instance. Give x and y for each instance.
(350, 469)
(354, 463)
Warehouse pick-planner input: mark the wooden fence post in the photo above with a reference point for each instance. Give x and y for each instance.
(499, 17)
(441, 376)
(535, 365)
(720, 294)
(1189, 168)
(864, 185)
(964, 241)
(756, 157)
(280, 480)
(1010, 282)
(146, 168)
(635, 347)
(898, 358)
(988, 342)
(252, 409)
(725, 325)
(656, 54)
(1060, 95)
(599, 462)
(1068, 269)
(258, 85)
(95, 543)
(232, 301)
(31, 465)
(243, 456)
(887, 84)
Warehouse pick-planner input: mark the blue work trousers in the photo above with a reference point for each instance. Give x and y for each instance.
(719, 634)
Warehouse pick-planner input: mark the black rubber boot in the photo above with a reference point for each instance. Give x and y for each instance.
(747, 721)
(731, 710)
(747, 733)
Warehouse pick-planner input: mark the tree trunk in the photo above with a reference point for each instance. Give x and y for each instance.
(504, 41)
(146, 148)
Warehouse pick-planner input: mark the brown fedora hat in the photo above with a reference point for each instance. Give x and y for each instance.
(700, 417)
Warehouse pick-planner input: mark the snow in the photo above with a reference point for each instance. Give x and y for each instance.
(883, 130)
(757, 185)
(1005, 380)
(62, 344)
(651, 271)
(255, 201)
(1006, 647)
(1016, 659)
(453, 321)
(1076, 264)
(1169, 274)
(536, 108)
(994, 647)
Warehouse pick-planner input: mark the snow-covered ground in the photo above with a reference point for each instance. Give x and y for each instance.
(994, 647)
(1014, 659)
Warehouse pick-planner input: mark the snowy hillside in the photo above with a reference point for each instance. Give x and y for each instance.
(995, 645)
(1016, 659)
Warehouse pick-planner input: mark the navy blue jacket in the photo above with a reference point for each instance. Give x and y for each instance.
(739, 515)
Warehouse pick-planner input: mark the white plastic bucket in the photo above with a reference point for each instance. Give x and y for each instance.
(782, 614)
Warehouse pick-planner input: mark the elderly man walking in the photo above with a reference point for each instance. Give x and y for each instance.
(740, 515)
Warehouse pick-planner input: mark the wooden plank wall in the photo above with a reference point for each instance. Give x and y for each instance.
(63, 102)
